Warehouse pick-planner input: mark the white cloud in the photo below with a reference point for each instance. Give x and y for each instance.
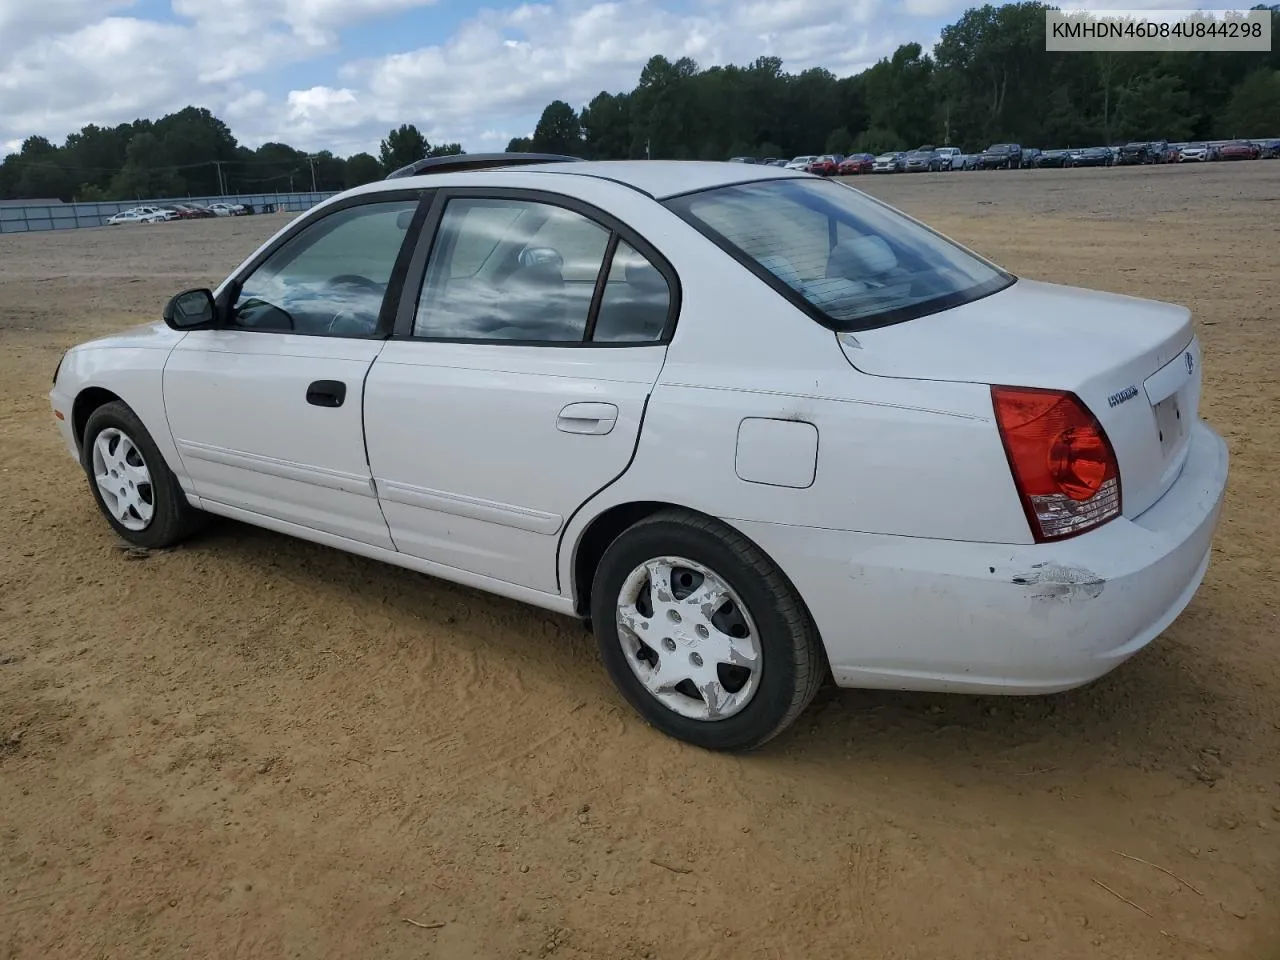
(314, 22)
(492, 75)
(22, 21)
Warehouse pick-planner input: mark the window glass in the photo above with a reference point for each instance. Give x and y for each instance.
(636, 299)
(330, 278)
(507, 269)
(850, 257)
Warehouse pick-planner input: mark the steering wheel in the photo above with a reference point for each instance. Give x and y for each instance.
(351, 319)
(355, 280)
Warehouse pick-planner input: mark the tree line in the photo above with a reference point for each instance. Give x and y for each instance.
(191, 153)
(988, 79)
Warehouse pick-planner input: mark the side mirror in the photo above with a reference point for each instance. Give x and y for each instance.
(191, 310)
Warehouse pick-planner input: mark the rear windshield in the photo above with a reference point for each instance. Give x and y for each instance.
(852, 262)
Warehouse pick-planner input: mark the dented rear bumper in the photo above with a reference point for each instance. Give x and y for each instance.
(916, 614)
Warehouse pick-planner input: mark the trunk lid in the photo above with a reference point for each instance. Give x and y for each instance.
(1135, 363)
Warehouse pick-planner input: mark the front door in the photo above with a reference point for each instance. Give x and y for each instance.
(266, 411)
(517, 382)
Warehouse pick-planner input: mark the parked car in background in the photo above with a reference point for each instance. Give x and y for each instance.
(1133, 153)
(799, 163)
(1239, 150)
(888, 163)
(222, 208)
(1193, 153)
(1269, 149)
(143, 214)
(742, 160)
(966, 161)
(946, 157)
(1142, 151)
(920, 160)
(1056, 158)
(855, 164)
(184, 211)
(136, 215)
(826, 165)
(1031, 156)
(1092, 157)
(1002, 156)
(1001, 486)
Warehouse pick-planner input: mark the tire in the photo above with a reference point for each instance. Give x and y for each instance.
(145, 479)
(758, 608)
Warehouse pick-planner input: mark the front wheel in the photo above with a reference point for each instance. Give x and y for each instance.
(133, 486)
(703, 634)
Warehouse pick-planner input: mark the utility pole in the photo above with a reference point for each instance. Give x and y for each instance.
(222, 186)
(312, 161)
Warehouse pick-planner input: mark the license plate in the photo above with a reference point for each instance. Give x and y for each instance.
(1169, 423)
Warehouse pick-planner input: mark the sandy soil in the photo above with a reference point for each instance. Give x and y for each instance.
(255, 747)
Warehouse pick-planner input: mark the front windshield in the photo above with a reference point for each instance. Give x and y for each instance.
(854, 262)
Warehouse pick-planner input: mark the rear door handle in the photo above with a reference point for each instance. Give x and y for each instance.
(327, 393)
(589, 418)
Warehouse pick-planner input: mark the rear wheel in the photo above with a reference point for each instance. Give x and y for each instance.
(133, 486)
(703, 634)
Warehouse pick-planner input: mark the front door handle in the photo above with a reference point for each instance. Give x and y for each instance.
(327, 393)
(589, 418)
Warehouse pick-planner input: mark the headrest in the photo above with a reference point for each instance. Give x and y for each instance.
(641, 273)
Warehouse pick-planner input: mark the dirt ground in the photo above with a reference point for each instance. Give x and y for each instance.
(256, 747)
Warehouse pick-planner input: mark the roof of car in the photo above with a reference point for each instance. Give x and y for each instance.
(659, 179)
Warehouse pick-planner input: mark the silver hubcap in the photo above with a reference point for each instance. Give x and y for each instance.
(689, 638)
(123, 479)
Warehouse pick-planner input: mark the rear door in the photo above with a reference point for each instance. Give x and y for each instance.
(530, 334)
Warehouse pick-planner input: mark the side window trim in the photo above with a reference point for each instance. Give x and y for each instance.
(395, 283)
(602, 281)
(415, 277)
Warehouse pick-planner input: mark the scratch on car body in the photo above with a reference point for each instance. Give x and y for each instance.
(1059, 584)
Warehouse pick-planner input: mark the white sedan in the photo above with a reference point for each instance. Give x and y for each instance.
(138, 215)
(754, 426)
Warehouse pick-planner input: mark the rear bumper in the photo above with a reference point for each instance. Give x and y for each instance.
(915, 614)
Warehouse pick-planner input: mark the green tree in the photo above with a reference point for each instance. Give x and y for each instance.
(1154, 107)
(606, 126)
(191, 142)
(559, 130)
(519, 145)
(839, 141)
(145, 176)
(361, 169)
(403, 146)
(330, 171)
(878, 140)
(1254, 108)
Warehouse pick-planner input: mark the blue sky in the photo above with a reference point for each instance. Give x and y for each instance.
(337, 74)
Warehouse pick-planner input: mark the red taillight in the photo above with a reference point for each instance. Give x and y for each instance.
(1062, 462)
